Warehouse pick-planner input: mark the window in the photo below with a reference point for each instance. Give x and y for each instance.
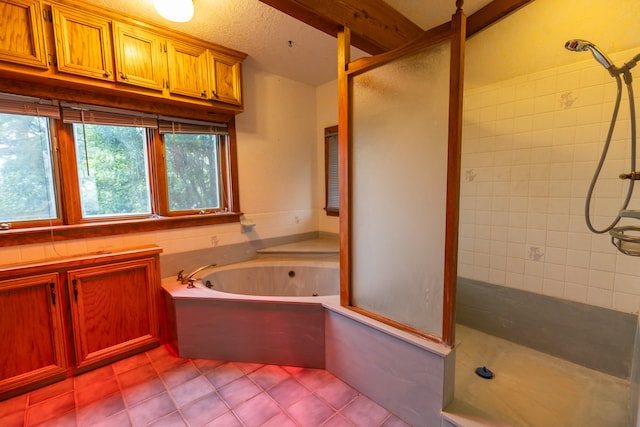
(27, 186)
(194, 172)
(332, 187)
(65, 164)
(113, 170)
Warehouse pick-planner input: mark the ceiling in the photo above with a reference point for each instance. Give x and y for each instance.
(277, 43)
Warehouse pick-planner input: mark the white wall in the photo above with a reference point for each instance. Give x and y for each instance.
(277, 161)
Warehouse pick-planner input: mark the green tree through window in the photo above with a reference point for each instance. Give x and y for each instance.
(112, 169)
(27, 190)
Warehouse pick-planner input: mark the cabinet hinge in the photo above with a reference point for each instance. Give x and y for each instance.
(52, 59)
(164, 48)
(165, 83)
(47, 16)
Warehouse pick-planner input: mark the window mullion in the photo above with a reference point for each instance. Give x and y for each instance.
(70, 190)
(157, 173)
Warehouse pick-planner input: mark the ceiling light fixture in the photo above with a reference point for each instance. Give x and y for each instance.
(175, 10)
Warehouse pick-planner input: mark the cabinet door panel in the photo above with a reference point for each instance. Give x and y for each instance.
(187, 69)
(225, 72)
(23, 40)
(31, 327)
(83, 43)
(138, 56)
(113, 309)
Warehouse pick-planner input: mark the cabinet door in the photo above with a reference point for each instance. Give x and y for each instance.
(187, 69)
(83, 43)
(138, 56)
(23, 38)
(114, 310)
(32, 331)
(225, 75)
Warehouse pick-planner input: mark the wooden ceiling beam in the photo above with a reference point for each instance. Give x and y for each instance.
(375, 26)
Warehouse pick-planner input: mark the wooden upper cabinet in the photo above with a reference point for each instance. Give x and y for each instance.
(139, 56)
(114, 310)
(187, 65)
(225, 75)
(22, 37)
(83, 43)
(32, 330)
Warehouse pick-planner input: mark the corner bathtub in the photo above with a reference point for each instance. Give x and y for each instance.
(284, 278)
(267, 310)
(406, 374)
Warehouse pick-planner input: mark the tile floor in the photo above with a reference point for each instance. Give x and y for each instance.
(156, 388)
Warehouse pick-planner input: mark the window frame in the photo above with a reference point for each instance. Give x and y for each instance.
(71, 225)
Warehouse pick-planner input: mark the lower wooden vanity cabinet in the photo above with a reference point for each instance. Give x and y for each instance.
(32, 331)
(69, 316)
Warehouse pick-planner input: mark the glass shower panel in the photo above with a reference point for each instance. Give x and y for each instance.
(400, 114)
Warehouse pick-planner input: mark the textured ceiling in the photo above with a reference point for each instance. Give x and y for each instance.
(264, 33)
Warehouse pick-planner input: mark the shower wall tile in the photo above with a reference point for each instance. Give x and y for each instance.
(530, 148)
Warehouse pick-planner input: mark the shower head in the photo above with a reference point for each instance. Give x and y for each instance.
(577, 45)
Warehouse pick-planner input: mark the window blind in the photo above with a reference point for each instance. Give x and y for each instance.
(169, 125)
(91, 114)
(16, 104)
(333, 185)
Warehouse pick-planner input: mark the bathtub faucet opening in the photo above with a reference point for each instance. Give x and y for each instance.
(188, 279)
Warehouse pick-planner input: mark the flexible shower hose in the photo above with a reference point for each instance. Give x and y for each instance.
(632, 113)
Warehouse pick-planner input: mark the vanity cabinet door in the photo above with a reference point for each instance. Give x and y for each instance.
(83, 43)
(23, 39)
(114, 310)
(32, 330)
(139, 55)
(225, 75)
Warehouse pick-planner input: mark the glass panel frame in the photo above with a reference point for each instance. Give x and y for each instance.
(444, 331)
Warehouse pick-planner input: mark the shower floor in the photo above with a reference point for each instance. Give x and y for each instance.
(531, 388)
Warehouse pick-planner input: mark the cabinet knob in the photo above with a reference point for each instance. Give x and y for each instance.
(215, 95)
(203, 94)
(74, 282)
(107, 74)
(52, 286)
(123, 76)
